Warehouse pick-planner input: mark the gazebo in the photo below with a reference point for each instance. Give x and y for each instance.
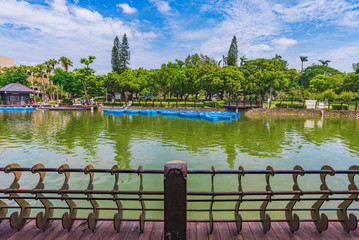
(15, 94)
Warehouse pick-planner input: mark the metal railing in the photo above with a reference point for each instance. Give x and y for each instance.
(175, 198)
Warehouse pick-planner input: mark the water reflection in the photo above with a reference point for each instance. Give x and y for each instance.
(126, 140)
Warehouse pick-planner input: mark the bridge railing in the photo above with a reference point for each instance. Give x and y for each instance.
(176, 198)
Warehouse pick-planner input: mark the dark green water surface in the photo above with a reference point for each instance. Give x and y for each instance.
(82, 138)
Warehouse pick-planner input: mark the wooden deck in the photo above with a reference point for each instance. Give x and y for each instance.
(154, 230)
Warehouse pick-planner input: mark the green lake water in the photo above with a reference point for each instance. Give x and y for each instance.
(81, 138)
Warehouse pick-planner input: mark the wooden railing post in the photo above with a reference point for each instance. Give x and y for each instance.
(175, 205)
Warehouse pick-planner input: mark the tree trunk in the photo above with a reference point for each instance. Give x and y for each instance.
(85, 90)
(57, 92)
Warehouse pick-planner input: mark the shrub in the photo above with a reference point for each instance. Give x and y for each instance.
(339, 106)
(289, 105)
(52, 102)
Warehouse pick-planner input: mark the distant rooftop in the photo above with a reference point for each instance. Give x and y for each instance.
(6, 62)
(16, 88)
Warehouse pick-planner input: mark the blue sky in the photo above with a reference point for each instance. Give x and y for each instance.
(32, 31)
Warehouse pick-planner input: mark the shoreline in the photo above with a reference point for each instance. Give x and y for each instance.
(266, 111)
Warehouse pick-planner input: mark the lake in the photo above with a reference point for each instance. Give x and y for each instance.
(80, 138)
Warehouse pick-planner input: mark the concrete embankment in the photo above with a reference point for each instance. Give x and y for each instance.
(303, 112)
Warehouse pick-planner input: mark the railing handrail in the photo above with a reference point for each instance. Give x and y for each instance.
(175, 197)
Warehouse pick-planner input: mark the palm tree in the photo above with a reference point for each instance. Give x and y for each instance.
(40, 72)
(303, 59)
(65, 63)
(277, 57)
(243, 59)
(324, 62)
(50, 66)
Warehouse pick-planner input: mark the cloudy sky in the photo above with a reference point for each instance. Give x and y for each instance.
(32, 31)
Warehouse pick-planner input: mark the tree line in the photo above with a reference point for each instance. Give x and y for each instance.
(196, 76)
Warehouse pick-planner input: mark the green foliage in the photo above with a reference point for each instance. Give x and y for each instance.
(232, 56)
(65, 63)
(312, 71)
(67, 81)
(351, 82)
(319, 83)
(324, 62)
(339, 106)
(124, 54)
(347, 96)
(289, 105)
(330, 95)
(13, 75)
(263, 74)
(115, 55)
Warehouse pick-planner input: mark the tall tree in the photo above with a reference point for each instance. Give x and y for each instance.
(303, 59)
(232, 56)
(115, 55)
(86, 74)
(65, 63)
(324, 62)
(277, 57)
(124, 55)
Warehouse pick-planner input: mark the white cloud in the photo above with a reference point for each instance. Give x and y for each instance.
(283, 43)
(35, 33)
(126, 8)
(340, 12)
(162, 6)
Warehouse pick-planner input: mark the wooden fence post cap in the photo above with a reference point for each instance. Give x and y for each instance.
(176, 165)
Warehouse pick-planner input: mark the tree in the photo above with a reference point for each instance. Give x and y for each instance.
(124, 55)
(67, 81)
(324, 62)
(243, 59)
(277, 57)
(330, 95)
(115, 55)
(86, 74)
(312, 71)
(13, 75)
(347, 96)
(319, 83)
(356, 67)
(303, 59)
(263, 74)
(39, 69)
(351, 82)
(232, 56)
(65, 63)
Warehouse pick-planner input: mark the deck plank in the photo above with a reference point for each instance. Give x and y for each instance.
(154, 230)
(233, 231)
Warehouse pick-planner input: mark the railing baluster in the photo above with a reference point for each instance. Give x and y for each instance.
(42, 218)
(265, 218)
(67, 217)
(293, 219)
(211, 205)
(321, 220)
(17, 220)
(93, 216)
(237, 216)
(350, 222)
(143, 205)
(119, 215)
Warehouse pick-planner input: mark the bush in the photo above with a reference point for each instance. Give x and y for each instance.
(289, 105)
(339, 106)
(52, 102)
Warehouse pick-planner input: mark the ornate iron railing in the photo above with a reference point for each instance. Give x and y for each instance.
(175, 198)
